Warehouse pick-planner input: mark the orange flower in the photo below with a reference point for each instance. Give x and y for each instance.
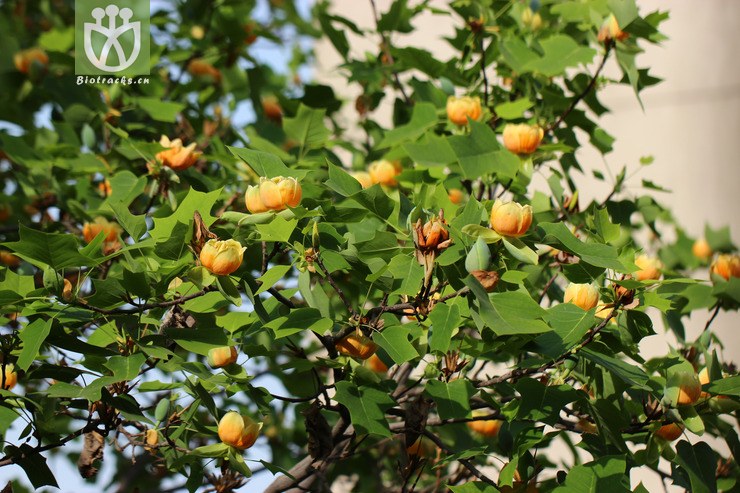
(610, 31)
(24, 59)
(175, 155)
(460, 109)
(650, 268)
(701, 249)
(9, 376)
(222, 257)
(272, 109)
(219, 357)
(433, 235)
(726, 266)
(510, 218)
(151, 439)
(485, 427)
(689, 387)
(253, 200)
(422, 447)
(585, 296)
(91, 230)
(357, 345)
(456, 196)
(670, 432)
(522, 138)
(279, 193)
(5, 212)
(364, 178)
(376, 364)
(200, 67)
(237, 430)
(67, 290)
(8, 259)
(385, 172)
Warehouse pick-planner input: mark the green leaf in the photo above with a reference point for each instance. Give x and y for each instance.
(126, 368)
(134, 225)
(445, 319)
(367, 406)
(307, 128)
(605, 475)
(408, 274)
(299, 320)
(33, 464)
(41, 249)
(512, 110)
(520, 251)
(342, 182)
(278, 229)
(384, 246)
(606, 229)
(508, 313)
(215, 450)
(376, 201)
(727, 386)
(596, 254)
(630, 374)
(194, 201)
(625, 11)
(198, 341)
(542, 402)
(480, 154)
(452, 398)
(158, 110)
(394, 340)
(33, 336)
(265, 164)
(431, 150)
(423, 118)
(560, 52)
(570, 323)
(473, 487)
(269, 278)
(699, 461)
(481, 233)
(14, 287)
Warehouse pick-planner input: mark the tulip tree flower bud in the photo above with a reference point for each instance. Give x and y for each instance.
(357, 345)
(726, 266)
(376, 364)
(479, 256)
(522, 138)
(385, 172)
(682, 386)
(364, 178)
(532, 20)
(456, 196)
(202, 68)
(8, 259)
(93, 229)
(238, 431)
(702, 250)
(271, 108)
(222, 257)
(220, 357)
(152, 439)
(9, 376)
(486, 427)
(610, 31)
(67, 290)
(254, 201)
(279, 193)
(176, 156)
(24, 60)
(460, 109)
(510, 218)
(670, 432)
(650, 268)
(585, 296)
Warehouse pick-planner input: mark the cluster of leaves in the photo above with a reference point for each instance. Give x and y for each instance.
(124, 351)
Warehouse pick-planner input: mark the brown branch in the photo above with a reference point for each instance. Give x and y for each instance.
(518, 373)
(465, 462)
(584, 93)
(386, 47)
(141, 308)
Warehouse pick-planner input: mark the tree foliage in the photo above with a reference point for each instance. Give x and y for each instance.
(409, 312)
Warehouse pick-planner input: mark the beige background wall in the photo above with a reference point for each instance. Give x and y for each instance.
(691, 124)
